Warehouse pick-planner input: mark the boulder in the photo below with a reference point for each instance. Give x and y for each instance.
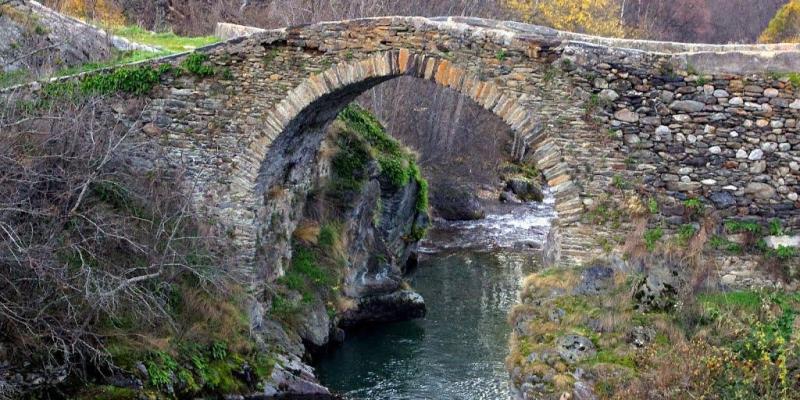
(575, 348)
(776, 242)
(658, 291)
(315, 329)
(640, 336)
(397, 306)
(456, 202)
(508, 197)
(524, 188)
(609, 95)
(291, 377)
(595, 280)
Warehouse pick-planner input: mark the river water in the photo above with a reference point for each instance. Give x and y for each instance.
(469, 275)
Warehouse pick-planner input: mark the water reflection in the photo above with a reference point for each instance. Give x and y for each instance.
(469, 275)
(456, 352)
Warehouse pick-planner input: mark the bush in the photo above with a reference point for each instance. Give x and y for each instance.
(98, 245)
(195, 63)
(785, 26)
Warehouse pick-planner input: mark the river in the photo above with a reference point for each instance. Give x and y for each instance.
(469, 274)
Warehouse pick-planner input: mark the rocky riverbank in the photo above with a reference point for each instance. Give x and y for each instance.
(619, 329)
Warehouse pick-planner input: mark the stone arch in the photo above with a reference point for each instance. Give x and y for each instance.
(318, 99)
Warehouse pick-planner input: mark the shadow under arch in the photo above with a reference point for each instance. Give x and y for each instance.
(295, 127)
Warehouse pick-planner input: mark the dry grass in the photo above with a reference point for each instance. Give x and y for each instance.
(277, 192)
(307, 232)
(344, 304)
(634, 246)
(541, 285)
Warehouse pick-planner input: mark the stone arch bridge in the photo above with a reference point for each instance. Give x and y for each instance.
(670, 121)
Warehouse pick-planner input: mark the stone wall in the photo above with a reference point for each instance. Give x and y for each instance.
(592, 112)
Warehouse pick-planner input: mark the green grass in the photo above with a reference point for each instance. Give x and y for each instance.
(329, 234)
(685, 233)
(652, 237)
(167, 41)
(652, 206)
(119, 58)
(694, 205)
(12, 78)
(398, 165)
(306, 273)
(720, 243)
(736, 226)
(611, 357)
(776, 228)
(748, 300)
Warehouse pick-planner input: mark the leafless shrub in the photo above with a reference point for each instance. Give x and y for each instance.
(89, 234)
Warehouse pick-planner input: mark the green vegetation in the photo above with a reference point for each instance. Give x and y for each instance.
(785, 252)
(349, 167)
(398, 165)
(652, 206)
(794, 79)
(523, 169)
(319, 256)
(135, 80)
(605, 212)
(720, 243)
(196, 63)
(785, 26)
(694, 205)
(501, 55)
(685, 233)
(619, 182)
(306, 275)
(702, 80)
(714, 345)
(652, 237)
(203, 356)
(737, 226)
(191, 369)
(550, 74)
(119, 58)
(776, 228)
(12, 78)
(362, 140)
(167, 41)
(329, 234)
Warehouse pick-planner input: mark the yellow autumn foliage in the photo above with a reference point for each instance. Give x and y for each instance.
(596, 17)
(104, 12)
(785, 26)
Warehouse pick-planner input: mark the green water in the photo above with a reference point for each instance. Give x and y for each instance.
(456, 352)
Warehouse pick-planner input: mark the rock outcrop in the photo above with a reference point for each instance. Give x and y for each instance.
(455, 202)
(355, 221)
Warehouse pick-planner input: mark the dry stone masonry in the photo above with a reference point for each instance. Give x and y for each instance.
(675, 121)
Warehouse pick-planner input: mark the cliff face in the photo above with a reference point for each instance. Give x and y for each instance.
(344, 233)
(357, 233)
